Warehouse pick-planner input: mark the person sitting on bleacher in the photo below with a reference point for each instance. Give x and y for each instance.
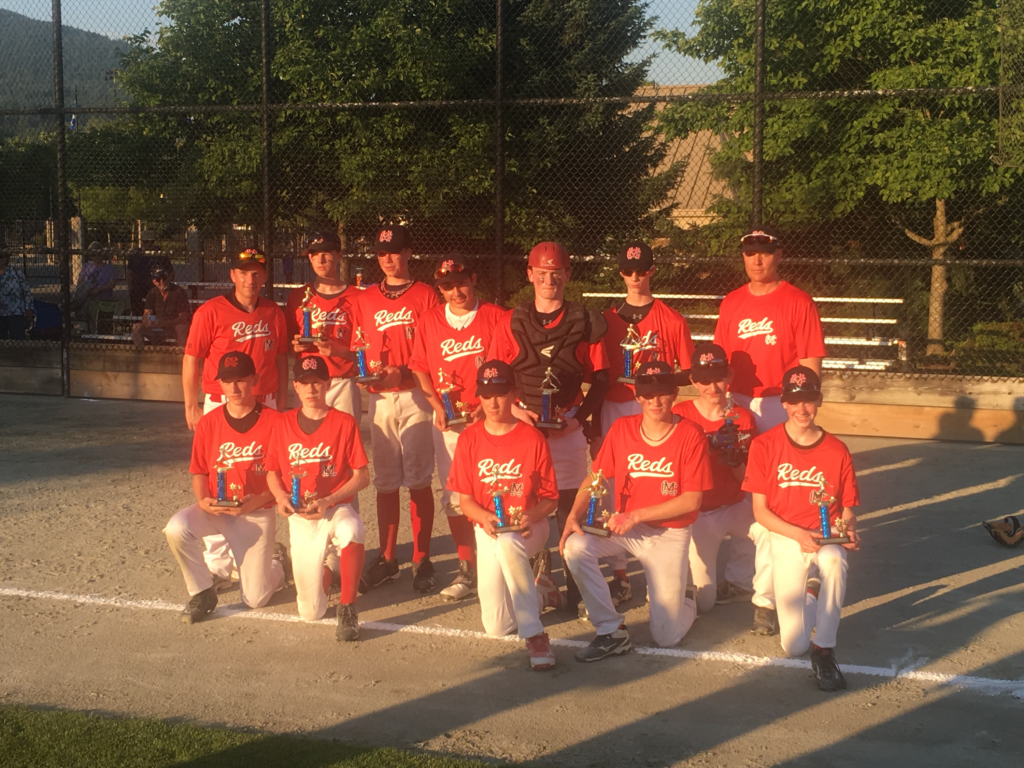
(167, 313)
(95, 282)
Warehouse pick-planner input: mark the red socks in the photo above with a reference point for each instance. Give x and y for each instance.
(388, 514)
(620, 575)
(421, 508)
(462, 533)
(352, 558)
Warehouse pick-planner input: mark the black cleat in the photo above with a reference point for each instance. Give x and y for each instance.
(281, 555)
(620, 591)
(348, 624)
(823, 662)
(423, 580)
(199, 606)
(381, 571)
(766, 622)
(604, 646)
(464, 585)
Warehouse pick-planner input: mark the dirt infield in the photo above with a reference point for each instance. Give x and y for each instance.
(86, 487)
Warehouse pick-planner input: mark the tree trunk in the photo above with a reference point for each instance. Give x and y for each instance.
(944, 234)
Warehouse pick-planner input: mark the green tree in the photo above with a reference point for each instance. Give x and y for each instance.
(922, 165)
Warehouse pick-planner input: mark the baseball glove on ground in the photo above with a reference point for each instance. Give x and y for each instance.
(1009, 533)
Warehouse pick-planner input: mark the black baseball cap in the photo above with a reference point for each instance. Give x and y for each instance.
(656, 378)
(800, 385)
(394, 239)
(235, 365)
(248, 258)
(762, 239)
(158, 271)
(324, 240)
(636, 255)
(708, 363)
(494, 378)
(310, 367)
(451, 269)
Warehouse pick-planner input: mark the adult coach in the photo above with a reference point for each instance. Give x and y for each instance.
(243, 321)
(331, 302)
(400, 416)
(766, 327)
(233, 440)
(450, 341)
(659, 462)
(550, 332)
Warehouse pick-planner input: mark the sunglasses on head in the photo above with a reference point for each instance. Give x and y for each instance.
(160, 277)
(637, 272)
(759, 240)
(252, 255)
(452, 269)
(493, 380)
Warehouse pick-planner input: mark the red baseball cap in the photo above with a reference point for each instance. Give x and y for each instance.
(549, 255)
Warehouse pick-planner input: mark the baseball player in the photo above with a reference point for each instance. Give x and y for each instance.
(792, 470)
(331, 318)
(448, 351)
(765, 328)
(725, 510)
(550, 333)
(658, 332)
(401, 417)
(229, 453)
(320, 448)
(660, 464)
(502, 454)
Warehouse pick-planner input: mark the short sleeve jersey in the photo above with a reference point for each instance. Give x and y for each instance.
(675, 346)
(646, 475)
(389, 325)
(459, 353)
(243, 455)
(787, 474)
(765, 336)
(221, 326)
(727, 488)
(332, 316)
(327, 457)
(522, 459)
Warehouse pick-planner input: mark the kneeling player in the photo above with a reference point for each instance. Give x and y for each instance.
(502, 452)
(321, 447)
(659, 462)
(228, 462)
(791, 469)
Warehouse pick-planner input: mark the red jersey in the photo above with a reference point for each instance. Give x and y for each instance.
(332, 316)
(521, 456)
(504, 347)
(217, 444)
(389, 325)
(220, 326)
(727, 488)
(675, 346)
(787, 474)
(649, 475)
(327, 456)
(460, 353)
(765, 336)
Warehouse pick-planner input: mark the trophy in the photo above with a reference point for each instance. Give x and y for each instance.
(223, 487)
(297, 474)
(444, 388)
(306, 306)
(632, 346)
(727, 441)
(368, 373)
(597, 520)
(509, 519)
(549, 419)
(824, 500)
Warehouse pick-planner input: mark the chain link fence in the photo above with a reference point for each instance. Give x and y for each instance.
(888, 153)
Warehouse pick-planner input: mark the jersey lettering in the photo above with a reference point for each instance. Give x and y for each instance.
(453, 350)
(748, 328)
(298, 454)
(334, 317)
(384, 319)
(245, 331)
(788, 476)
(510, 470)
(230, 453)
(638, 466)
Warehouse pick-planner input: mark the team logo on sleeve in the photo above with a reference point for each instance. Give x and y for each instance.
(638, 466)
(510, 470)
(384, 319)
(231, 453)
(789, 476)
(453, 350)
(244, 331)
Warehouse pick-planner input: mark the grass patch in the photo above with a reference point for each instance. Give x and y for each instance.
(32, 738)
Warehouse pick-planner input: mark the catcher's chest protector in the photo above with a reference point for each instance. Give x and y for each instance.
(541, 347)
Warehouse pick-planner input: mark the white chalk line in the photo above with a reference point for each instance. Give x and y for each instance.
(888, 467)
(958, 494)
(979, 684)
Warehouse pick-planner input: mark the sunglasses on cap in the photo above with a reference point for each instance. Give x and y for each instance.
(250, 254)
(448, 268)
(759, 240)
(160, 276)
(493, 380)
(637, 272)
(646, 379)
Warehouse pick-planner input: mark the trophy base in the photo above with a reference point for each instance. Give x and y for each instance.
(456, 421)
(596, 531)
(508, 528)
(626, 380)
(822, 541)
(308, 339)
(227, 503)
(555, 426)
(373, 379)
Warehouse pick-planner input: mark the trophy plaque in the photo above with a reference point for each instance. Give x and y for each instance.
(509, 519)
(596, 521)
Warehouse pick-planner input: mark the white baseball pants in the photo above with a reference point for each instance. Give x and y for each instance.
(250, 542)
(707, 532)
(345, 396)
(569, 457)
(444, 452)
(509, 599)
(768, 411)
(799, 612)
(403, 448)
(309, 541)
(663, 553)
(764, 584)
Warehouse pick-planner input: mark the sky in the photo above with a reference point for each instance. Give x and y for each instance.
(117, 18)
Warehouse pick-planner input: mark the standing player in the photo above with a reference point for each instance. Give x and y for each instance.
(550, 332)
(660, 464)
(725, 510)
(765, 328)
(514, 455)
(788, 468)
(451, 340)
(233, 440)
(331, 300)
(664, 334)
(400, 416)
(322, 447)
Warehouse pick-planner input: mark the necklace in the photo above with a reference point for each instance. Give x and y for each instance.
(657, 440)
(394, 293)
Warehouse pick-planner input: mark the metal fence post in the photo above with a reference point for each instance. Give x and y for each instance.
(757, 190)
(499, 159)
(61, 225)
(268, 214)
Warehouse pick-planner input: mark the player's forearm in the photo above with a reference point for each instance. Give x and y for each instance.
(425, 385)
(190, 380)
(201, 487)
(591, 404)
(541, 510)
(772, 522)
(683, 504)
(276, 486)
(814, 363)
(582, 501)
(473, 510)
